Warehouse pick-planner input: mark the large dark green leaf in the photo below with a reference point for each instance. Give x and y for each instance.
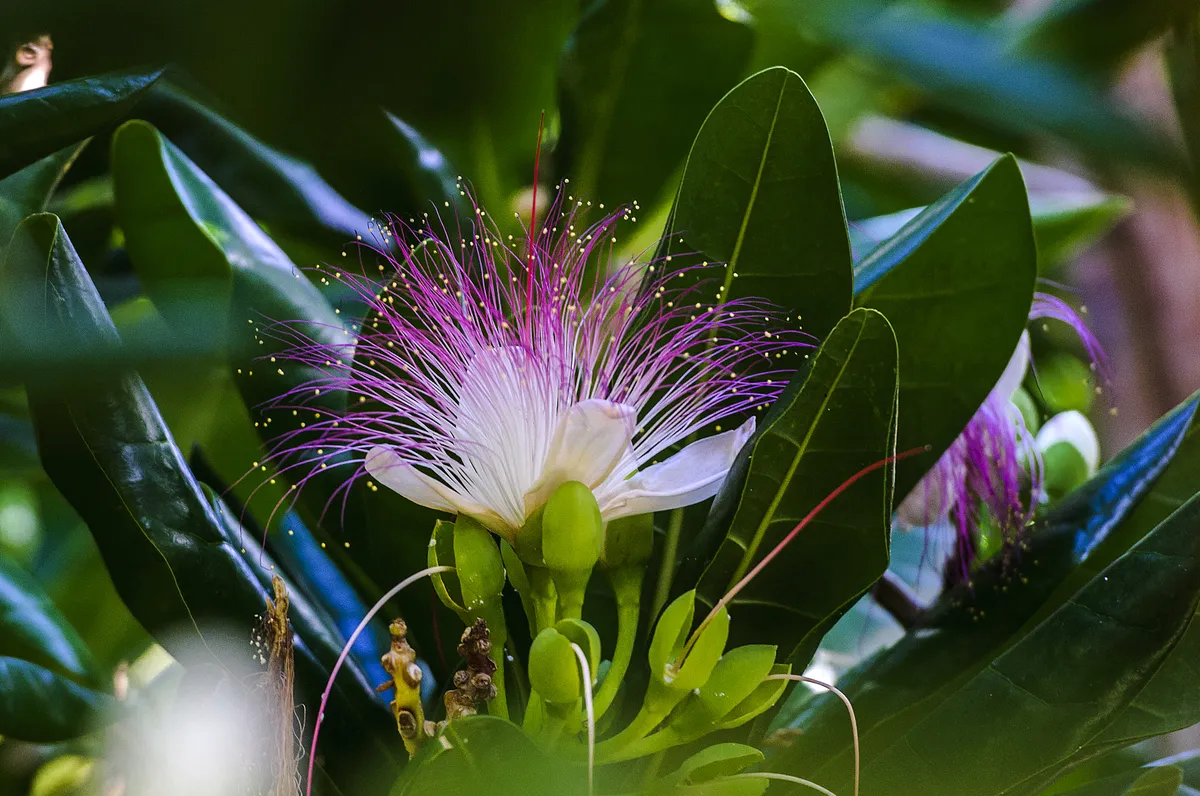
(972, 624)
(636, 78)
(28, 191)
(956, 284)
(975, 70)
(33, 629)
(431, 177)
(1156, 781)
(1040, 700)
(42, 706)
(34, 124)
(760, 195)
(836, 418)
(108, 451)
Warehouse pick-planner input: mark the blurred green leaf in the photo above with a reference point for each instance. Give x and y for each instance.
(29, 190)
(956, 283)
(431, 177)
(33, 629)
(41, 706)
(284, 192)
(762, 168)
(1098, 34)
(37, 123)
(972, 624)
(836, 418)
(975, 70)
(109, 453)
(636, 78)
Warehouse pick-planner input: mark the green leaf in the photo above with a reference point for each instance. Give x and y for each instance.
(282, 191)
(33, 629)
(28, 191)
(971, 625)
(760, 171)
(41, 706)
(974, 69)
(110, 454)
(431, 177)
(37, 123)
(1183, 66)
(1042, 699)
(1157, 781)
(836, 417)
(1063, 225)
(636, 78)
(956, 283)
(1098, 34)
(185, 235)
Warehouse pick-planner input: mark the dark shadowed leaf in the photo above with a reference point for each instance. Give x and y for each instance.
(28, 191)
(41, 706)
(37, 123)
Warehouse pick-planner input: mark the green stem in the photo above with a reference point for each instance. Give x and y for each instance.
(499, 705)
(649, 745)
(627, 586)
(544, 596)
(645, 721)
(572, 590)
(666, 570)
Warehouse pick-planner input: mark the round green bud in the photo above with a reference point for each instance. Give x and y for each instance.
(572, 531)
(1070, 452)
(1065, 383)
(553, 668)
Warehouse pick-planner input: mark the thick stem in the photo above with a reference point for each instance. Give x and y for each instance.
(572, 589)
(627, 586)
(895, 597)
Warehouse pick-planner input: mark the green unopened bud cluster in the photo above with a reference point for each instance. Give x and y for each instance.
(696, 686)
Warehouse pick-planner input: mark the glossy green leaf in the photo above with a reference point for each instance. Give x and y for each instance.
(836, 417)
(1054, 697)
(719, 760)
(41, 706)
(37, 123)
(33, 629)
(956, 283)
(760, 195)
(974, 69)
(972, 624)
(621, 141)
(110, 454)
(29, 190)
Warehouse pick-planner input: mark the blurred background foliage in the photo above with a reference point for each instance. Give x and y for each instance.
(315, 115)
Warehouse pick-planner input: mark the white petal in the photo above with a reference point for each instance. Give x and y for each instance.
(1014, 371)
(402, 478)
(692, 475)
(1073, 428)
(591, 438)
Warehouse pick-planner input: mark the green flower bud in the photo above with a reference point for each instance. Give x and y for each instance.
(572, 531)
(628, 541)
(479, 567)
(1070, 452)
(553, 668)
(584, 636)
